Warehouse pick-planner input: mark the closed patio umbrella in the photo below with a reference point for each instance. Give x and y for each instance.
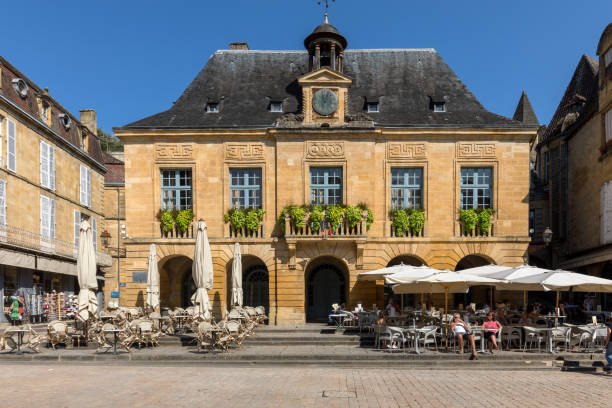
(86, 273)
(152, 280)
(237, 277)
(202, 272)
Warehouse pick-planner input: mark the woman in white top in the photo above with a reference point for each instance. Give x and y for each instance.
(391, 309)
(461, 329)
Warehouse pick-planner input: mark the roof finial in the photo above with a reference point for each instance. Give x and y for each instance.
(326, 7)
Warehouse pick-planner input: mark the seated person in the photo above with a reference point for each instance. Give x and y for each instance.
(525, 319)
(391, 309)
(492, 327)
(501, 316)
(461, 329)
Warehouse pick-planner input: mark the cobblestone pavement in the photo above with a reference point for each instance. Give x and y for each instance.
(175, 386)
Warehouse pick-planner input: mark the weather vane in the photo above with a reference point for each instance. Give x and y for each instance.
(326, 7)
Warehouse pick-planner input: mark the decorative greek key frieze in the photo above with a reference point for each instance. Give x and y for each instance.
(165, 151)
(475, 150)
(403, 150)
(318, 150)
(244, 151)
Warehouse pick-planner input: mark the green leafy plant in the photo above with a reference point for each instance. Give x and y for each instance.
(183, 219)
(353, 215)
(298, 215)
(167, 220)
(401, 222)
(253, 219)
(469, 218)
(315, 217)
(236, 218)
(281, 218)
(416, 220)
(333, 214)
(484, 219)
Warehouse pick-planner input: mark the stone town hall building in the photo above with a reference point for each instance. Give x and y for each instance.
(391, 128)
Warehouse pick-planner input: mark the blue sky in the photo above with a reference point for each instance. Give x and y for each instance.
(130, 59)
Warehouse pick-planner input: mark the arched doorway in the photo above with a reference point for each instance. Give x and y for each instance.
(406, 260)
(175, 281)
(326, 284)
(476, 294)
(256, 287)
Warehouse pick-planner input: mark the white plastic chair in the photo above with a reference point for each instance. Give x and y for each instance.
(532, 335)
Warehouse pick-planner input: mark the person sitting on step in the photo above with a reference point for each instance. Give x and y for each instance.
(461, 329)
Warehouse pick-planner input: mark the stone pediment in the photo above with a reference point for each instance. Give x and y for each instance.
(325, 76)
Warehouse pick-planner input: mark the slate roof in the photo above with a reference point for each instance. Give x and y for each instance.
(405, 81)
(116, 169)
(581, 88)
(524, 111)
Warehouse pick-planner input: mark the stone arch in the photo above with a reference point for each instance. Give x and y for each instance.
(173, 270)
(473, 260)
(255, 282)
(342, 251)
(407, 259)
(326, 281)
(386, 253)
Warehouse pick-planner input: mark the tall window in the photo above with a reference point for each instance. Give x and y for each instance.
(176, 189)
(47, 217)
(85, 186)
(11, 145)
(326, 185)
(476, 183)
(245, 188)
(608, 126)
(406, 188)
(47, 165)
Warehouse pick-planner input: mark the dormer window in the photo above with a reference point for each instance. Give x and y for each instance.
(212, 107)
(20, 87)
(439, 107)
(276, 106)
(44, 112)
(64, 120)
(372, 107)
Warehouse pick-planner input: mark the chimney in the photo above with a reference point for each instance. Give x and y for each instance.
(88, 118)
(239, 46)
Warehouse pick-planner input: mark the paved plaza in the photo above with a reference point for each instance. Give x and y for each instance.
(90, 386)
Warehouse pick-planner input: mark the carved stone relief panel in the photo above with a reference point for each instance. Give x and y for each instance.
(173, 151)
(470, 150)
(244, 151)
(324, 150)
(406, 150)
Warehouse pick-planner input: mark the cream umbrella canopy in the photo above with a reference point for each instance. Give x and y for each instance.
(152, 279)
(408, 274)
(86, 273)
(202, 271)
(508, 276)
(379, 274)
(486, 270)
(237, 277)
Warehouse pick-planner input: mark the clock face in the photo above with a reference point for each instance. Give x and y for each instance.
(325, 102)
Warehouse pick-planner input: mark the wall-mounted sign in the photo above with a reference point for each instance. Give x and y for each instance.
(122, 285)
(115, 295)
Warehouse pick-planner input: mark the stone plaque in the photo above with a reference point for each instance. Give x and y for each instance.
(324, 150)
(167, 151)
(405, 150)
(244, 151)
(467, 150)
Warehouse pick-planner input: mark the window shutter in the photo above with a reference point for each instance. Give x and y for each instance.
(44, 217)
(44, 164)
(77, 227)
(2, 202)
(608, 126)
(11, 145)
(51, 218)
(1, 140)
(94, 230)
(606, 213)
(88, 187)
(51, 167)
(83, 185)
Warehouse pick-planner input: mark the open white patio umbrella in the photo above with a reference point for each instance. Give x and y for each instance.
(486, 270)
(450, 282)
(86, 273)
(560, 280)
(508, 274)
(408, 274)
(379, 274)
(202, 271)
(152, 279)
(237, 277)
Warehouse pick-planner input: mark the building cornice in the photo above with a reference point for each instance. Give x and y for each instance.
(54, 136)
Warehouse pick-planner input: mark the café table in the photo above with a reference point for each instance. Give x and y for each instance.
(20, 333)
(415, 332)
(339, 319)
(115, 338)
(479, 329)
(181, 321)
(549, 336)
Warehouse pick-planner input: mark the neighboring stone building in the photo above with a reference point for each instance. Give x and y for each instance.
(114, 225)
(51, 173)
(266, 129)
(572, 194)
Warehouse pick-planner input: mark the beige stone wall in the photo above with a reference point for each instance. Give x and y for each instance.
(110, 225)
(285, 157)
(24, 189)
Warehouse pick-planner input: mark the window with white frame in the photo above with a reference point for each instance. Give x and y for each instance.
(11, 145)
(372, 107)
(406, 188)
(85, 186)
(47, 217)
(47, 165)
(476, 186)
(608, 126)
(245, 188)
(176, 189)
(276, 106)
(606, 213)
(2, 202)
(326, 185)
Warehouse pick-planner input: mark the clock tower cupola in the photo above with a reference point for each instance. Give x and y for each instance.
(325, 47)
